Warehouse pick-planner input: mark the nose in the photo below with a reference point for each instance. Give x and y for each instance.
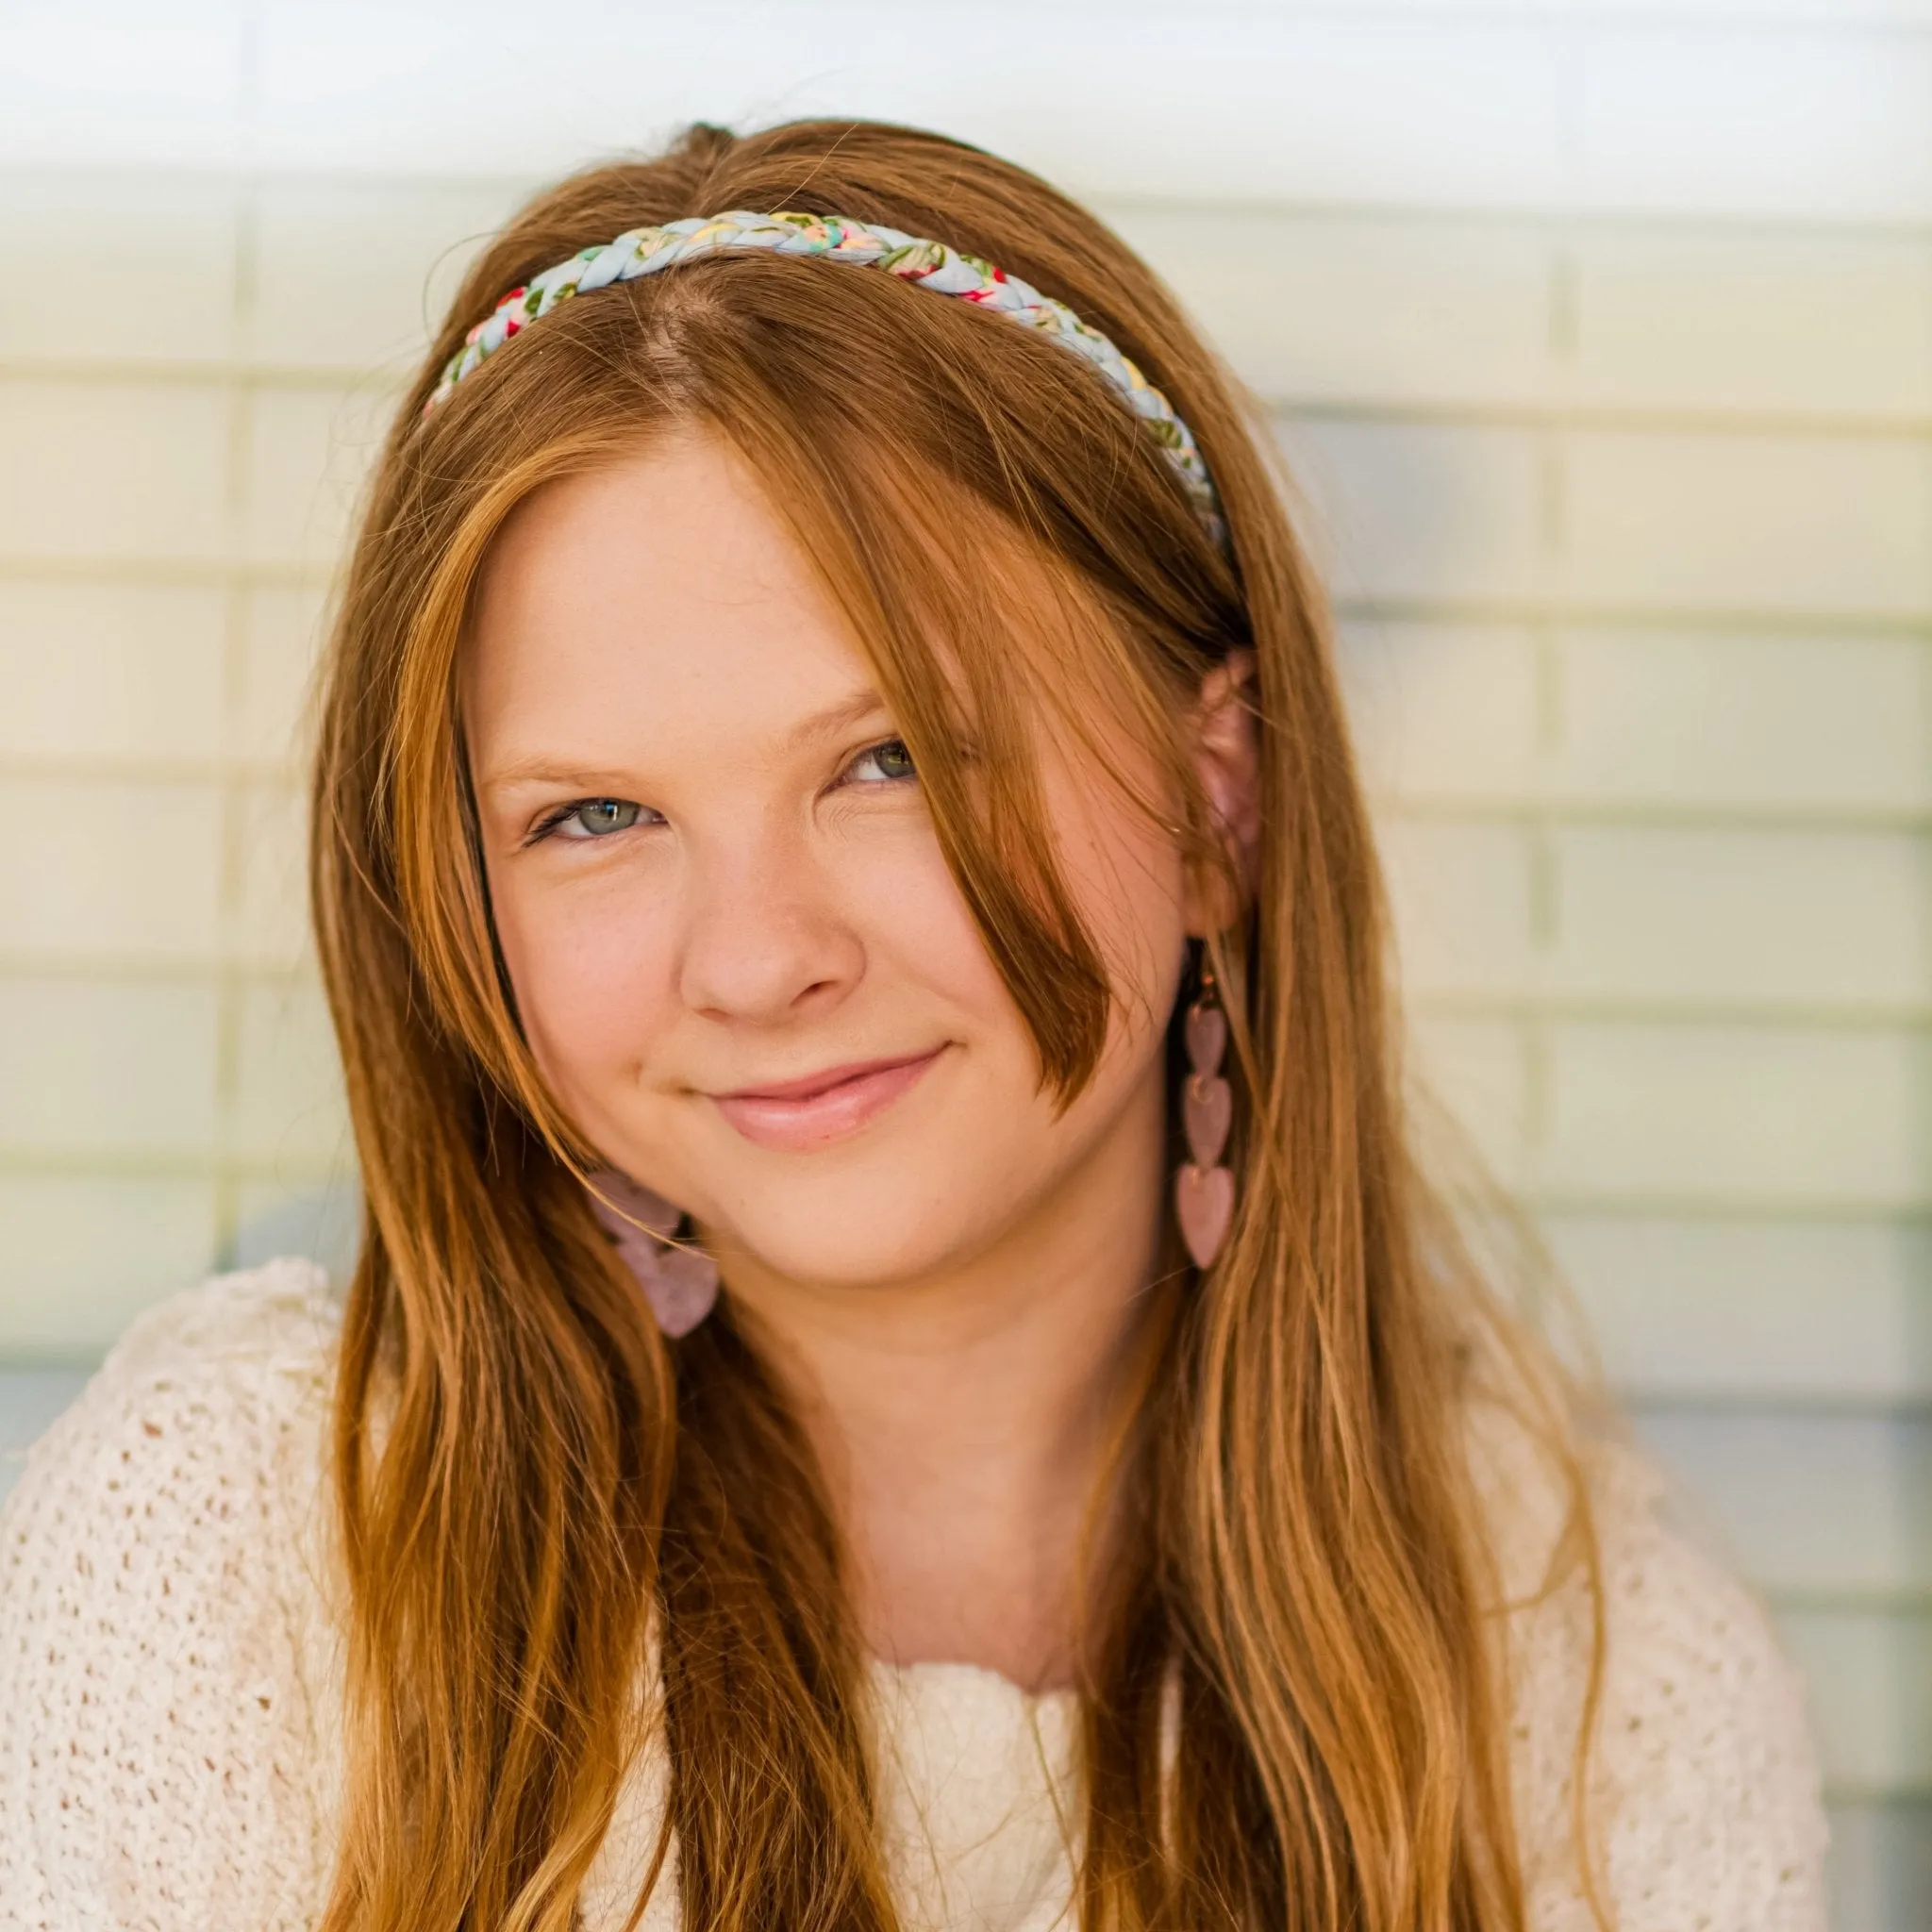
(764, 939)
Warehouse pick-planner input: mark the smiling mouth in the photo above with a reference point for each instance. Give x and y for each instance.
(795, 1116)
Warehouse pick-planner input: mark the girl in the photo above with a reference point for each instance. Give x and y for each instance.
(902, 1371)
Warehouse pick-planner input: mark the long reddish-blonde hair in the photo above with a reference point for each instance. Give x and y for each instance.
(545, 1507)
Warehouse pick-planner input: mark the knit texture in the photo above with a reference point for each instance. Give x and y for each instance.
(170, 1685)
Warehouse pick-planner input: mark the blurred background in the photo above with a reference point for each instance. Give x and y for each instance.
(1600, 340)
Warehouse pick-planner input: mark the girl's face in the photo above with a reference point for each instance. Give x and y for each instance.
(738, 953)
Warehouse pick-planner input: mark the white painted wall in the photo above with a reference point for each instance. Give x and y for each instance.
(1601, 340)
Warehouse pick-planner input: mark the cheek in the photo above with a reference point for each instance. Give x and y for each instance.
(921, 942)
(594, 963)
(590, 964)
(1127, 878)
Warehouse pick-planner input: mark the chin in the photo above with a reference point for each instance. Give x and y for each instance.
(860, 1231)
(833, 1253)
(918, 1192)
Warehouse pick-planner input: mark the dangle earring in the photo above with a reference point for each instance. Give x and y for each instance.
(680, 1283)
(1204, 1188)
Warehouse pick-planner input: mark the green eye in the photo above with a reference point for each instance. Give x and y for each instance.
(889, 761)
(595, 817)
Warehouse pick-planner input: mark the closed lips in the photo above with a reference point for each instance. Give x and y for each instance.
(819, 1109)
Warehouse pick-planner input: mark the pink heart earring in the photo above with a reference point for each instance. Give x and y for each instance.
(1204, 1188)
(680, 1283)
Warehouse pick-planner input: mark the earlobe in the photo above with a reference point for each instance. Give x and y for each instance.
(1227, 762)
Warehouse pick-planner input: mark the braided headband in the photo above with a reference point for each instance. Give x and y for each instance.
(924, 264)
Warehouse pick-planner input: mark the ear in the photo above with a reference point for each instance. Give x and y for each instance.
(1227, 761)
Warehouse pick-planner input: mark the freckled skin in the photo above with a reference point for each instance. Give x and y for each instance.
(762, 920)
(952, 1282)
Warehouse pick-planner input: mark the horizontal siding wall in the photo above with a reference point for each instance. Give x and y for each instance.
(1599, 349)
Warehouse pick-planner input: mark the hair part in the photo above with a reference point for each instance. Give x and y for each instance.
(535, 1491)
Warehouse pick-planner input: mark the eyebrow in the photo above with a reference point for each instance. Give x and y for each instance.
(842, 716)
(861, 705)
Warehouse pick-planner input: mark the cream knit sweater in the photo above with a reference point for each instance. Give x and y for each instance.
(169, 1686)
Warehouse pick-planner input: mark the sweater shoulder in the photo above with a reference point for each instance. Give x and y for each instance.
(161, 1593)
(1702, 1801)
(222, 1388)
(283, 1315)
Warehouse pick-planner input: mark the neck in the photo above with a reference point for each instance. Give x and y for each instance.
(963, 1421)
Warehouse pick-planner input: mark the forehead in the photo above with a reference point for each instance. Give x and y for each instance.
(659, 586)
(667, 594)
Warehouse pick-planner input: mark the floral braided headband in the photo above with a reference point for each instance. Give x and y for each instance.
(924, 264)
